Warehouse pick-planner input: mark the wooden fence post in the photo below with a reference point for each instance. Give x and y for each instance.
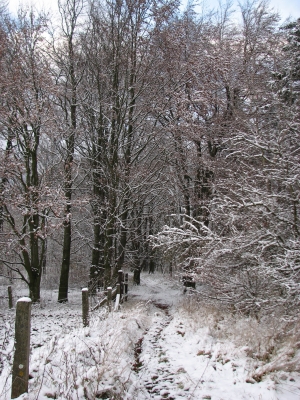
(109, 296)
(85, 306)
(20, 371)
(120, 281)
(117, 305)
(120, 276)
(126, 287)
(10, 298)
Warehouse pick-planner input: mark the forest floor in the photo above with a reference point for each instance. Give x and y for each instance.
(161, 344)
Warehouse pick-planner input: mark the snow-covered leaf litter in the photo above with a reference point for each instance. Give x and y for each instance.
(183, 353)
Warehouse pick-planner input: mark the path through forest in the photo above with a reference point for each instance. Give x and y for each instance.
(180, 357)
(161, 344)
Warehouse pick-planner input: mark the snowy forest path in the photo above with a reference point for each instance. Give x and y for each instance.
(152, 363)
(183, 354)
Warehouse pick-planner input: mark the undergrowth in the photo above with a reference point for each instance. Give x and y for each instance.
(271, 341)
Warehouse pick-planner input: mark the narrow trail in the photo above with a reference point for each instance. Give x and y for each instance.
(158, 372)
(151, 355)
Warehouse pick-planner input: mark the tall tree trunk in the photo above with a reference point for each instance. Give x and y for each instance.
(65, 266)
(34, 286)
(70, 12)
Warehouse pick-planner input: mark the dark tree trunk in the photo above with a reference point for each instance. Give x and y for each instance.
(96, 275)
(123, 236)
(137, 276)
(65, 266)
(34, 287)
(70, 12)
(151, 266)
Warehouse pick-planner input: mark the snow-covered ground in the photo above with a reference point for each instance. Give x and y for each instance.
(160, 345)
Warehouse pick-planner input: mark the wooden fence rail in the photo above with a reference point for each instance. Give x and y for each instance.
(113, 292)
(104, 300)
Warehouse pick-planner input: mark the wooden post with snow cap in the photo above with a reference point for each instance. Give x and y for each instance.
(20, 371)
(109, 297)
(120, 276)
(126, 287)
(118, 297)
(10, 298)
(121, 283)
(85, 307)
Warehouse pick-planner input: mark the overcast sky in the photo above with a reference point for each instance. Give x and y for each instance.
(286, 8)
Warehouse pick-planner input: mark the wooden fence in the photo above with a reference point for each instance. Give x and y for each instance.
(20, 371)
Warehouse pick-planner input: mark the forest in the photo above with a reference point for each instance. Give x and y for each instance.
(136, 134)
